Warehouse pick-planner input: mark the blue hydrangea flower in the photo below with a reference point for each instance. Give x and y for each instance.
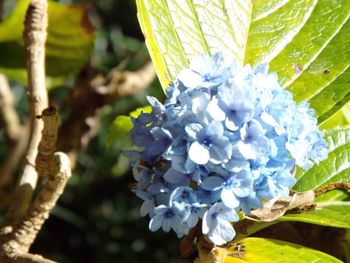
(206, 72)
(238, 105)
(167, 218)
(209, 143)
(226, 140)
(217, 223)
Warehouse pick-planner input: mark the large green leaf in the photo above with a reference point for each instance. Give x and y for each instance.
(69, 42)
(335, 214)
(257, 250)
(305, 41)
(340, 117)
(335, 169)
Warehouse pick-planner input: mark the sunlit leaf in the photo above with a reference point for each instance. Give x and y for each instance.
(334, 169)
(340, 117)
(305, 41)
(334, 214)
(258, 250)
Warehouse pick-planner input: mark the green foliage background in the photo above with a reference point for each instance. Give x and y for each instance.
(97, 218)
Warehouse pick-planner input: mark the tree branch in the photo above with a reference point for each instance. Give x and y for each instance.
(30, 258)
(332, 186)
(16, 135)
(56, 168)
(34, 40)
(47, 145)
(90, 94)
(8, 113)
(121, 84)
(13, 156)
(24, 234)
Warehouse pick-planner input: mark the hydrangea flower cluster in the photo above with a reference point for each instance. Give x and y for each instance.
(225, 140)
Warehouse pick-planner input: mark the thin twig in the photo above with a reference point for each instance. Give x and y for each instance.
(25, 233)
(120, 84)
(332, 186)
(34, 40)
(30, 258)
(56, 168)
(14, 154)
(8, 113)
(16, 134)
(47, 145)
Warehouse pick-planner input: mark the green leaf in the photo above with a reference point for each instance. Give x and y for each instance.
(257, 250)
(120, 127)
(68, 47)
(305, 41)
(334, 214)
(334, 195)
(329, 211)
(334, 169)
(340, 117)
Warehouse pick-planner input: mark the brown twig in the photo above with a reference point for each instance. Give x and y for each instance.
(34, 40)
(16, 135)
(124, 83)
(332, 186)
(8, 113)
(56, 168)
(30, 258)
(90, 94)
(13, 156)
(23, 235)
(47, 145)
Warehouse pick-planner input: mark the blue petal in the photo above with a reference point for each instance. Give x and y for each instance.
(155, 223)
(200, 103)
(222, 233)
(193, 130)
(237, 166)
(190, 79)
(198, 153)
(220, 152)
(215, 130)
(215, 111)
(230, 124)
(229, 199)
(175, 177)
(202, 64)
(229, 215)
(166, 225)
(246, 150)
(147, 207)
(192, 221)
(213, 183)
(155, 103)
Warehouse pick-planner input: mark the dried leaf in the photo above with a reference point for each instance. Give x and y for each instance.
(275, 209)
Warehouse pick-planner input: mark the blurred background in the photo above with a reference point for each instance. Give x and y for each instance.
(97, 218)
